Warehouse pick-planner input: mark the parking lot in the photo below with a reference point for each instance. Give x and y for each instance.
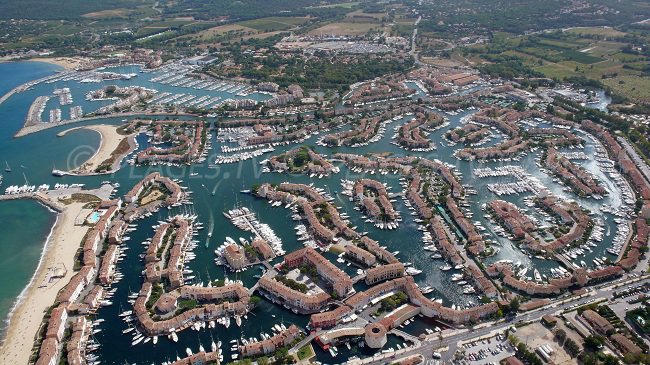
(627, 300)
(488, 351)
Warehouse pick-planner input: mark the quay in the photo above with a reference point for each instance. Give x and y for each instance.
(36, 196)
(50, 198)
(621, 254)
(250, 226)
(29, 129)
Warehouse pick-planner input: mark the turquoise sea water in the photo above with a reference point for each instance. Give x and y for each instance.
(25, 224)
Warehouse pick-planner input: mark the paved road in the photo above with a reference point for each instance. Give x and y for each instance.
(638, 160)
(451, 340)
(413, 52)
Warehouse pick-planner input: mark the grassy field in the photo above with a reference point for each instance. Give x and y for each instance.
(581, 57)
(147, 31)
(340, 5)
(603, 31)
(157, 27)
(570, 54)
(221, 30)
(361, 16)
(271, 24)
(115, 13)
(441, 62)
(632, 87)
(556, 70)
(344, 28)
(121, 14)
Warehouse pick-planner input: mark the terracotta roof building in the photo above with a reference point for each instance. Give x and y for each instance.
(625, 345)
(340, 281)
(384, 272)
(599, 323)
(235, 256)
(270, 345)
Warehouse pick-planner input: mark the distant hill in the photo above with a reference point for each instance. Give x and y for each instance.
(240, 9)
(62, 9)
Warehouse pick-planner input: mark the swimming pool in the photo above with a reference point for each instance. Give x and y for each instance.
(93, 217)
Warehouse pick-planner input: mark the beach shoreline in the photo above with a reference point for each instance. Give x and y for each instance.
(27, 315)
(109, 143)
(21, 297)
(67, 63)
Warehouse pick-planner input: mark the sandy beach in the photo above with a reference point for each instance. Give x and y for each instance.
(68, 63)
(59, 252)
(109, 143)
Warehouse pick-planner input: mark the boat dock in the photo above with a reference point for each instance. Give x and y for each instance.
(50, 198)
(39, 196)
(246, 220)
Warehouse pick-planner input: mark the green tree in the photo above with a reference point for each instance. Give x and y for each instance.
(572, 347)
(589, 358)
(514, 305)
(609, 360)
(282, 356)
(594, 342)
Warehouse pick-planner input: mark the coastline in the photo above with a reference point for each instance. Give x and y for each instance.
(109, 143)
(68, 63)
(31, 306)
(23, 131)
(20, 298)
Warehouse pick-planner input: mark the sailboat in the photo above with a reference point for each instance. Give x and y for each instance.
(213, 346)
(201, 349)
(7, 168)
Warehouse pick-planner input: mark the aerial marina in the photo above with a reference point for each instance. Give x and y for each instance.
(380, 209)
(234, 205)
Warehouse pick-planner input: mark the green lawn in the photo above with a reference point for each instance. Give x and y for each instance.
(305, 352)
